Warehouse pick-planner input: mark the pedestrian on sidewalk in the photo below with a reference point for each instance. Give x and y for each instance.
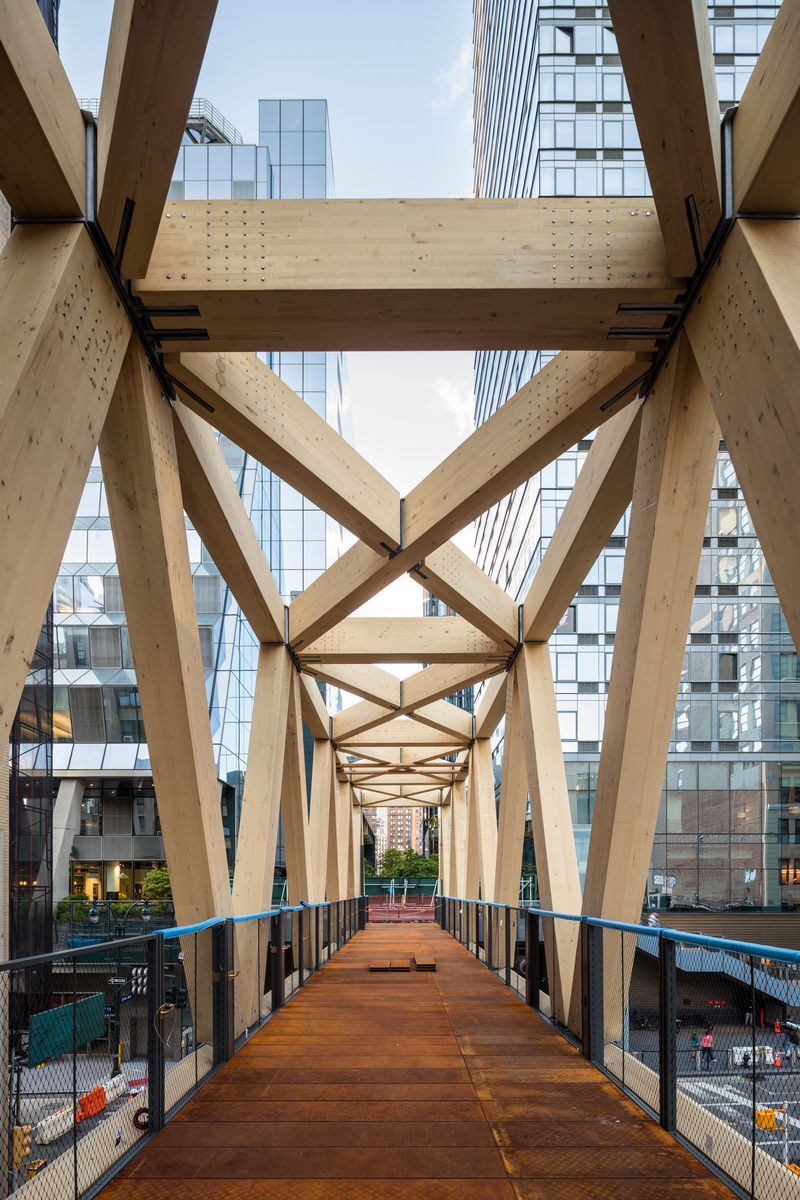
(707, 1048)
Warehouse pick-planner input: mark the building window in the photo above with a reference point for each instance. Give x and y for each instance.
(86, 705)
(123, 714)
(105, 647)
(728, 667)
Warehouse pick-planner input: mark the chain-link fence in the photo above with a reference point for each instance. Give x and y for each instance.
(703, 1032)
(101, 1044)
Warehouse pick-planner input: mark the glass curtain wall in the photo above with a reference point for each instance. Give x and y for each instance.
(553, 118)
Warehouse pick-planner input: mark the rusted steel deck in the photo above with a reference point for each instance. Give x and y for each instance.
(420, 1086)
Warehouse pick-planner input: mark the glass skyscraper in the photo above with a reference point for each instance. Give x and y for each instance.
(107, 832)
(553, 117)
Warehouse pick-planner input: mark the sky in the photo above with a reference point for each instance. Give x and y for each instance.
(398, 80)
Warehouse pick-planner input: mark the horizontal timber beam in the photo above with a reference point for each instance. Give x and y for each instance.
(401, 732)
(404, 639)
(458, 274)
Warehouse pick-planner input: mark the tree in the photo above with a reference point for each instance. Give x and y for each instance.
(156, 884)
(392, 862)
(404, 863)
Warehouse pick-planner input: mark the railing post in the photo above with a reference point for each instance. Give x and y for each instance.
(532, 962)
(276, 962)
(489, 936)
(155, 1040)
(222, 975)
(507, 945)
(363, 902)
(317, 938)
(592, 987)
(667, 1051)
(300, 948)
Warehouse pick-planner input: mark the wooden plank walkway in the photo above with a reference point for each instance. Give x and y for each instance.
(420, 1086)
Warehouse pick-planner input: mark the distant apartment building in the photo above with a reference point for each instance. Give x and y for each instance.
(404, 829)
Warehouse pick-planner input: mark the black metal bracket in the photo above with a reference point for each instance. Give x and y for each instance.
(138, 314)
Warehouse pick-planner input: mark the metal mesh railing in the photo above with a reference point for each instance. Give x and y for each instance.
(703, 1032)
(102, 1043)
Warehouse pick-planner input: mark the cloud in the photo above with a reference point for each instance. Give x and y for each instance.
(453, 82)
(457, 400)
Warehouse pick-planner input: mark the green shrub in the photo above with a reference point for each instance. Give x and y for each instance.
(79, 904)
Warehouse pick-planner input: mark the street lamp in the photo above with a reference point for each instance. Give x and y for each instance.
(94, 915)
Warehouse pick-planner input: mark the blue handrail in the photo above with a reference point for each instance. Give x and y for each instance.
(186, 929)
(271, 912)
(753, 949)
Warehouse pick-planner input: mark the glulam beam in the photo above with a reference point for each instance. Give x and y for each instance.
(574, 394)
(669, 69)
(443, 679)
(242, 398)
(745, 335)
(458, 839)
(441, 714)
(371, 683)
(155, 52)
(416, 696)
(403, 639)
(677, 453)
(482, 823)
(513, 801)
(766, 128)
(595, 507)
(294, 801)
(140, 470)
(453, 577)
(491, 706)
(313, 709)
(402, 732)
(408, 274)
(258, 824)
(63, 337)
(338, 841)
(43, 147)
(551, 820)
(321, 816)
(214, 506)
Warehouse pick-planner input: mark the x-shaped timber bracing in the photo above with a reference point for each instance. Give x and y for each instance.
(677, 318)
